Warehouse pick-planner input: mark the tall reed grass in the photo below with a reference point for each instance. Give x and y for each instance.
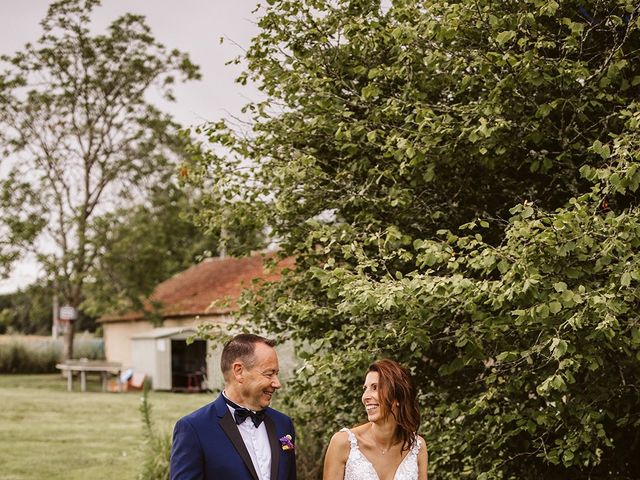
(34, 354)
(157, 455)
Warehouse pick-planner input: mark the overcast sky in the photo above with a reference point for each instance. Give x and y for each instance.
(193, 26)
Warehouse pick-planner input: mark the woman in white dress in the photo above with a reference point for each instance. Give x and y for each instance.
(387, 446)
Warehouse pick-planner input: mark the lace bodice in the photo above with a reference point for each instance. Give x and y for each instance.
(359, 468)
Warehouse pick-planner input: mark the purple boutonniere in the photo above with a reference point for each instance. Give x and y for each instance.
(286, 443)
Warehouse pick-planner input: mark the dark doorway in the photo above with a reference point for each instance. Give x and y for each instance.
(188, 365)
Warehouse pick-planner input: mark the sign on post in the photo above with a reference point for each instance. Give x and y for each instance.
(67, 315)
(67, 312)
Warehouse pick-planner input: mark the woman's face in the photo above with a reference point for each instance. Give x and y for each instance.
(370, 397)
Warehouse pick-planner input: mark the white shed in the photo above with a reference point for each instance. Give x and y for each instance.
(204, 294)
(164, 356)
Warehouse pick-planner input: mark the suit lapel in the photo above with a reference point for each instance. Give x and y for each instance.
(275, 446)
(231, 429)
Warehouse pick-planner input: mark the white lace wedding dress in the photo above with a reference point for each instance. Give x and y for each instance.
(359, 468)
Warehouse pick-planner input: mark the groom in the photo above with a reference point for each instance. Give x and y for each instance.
(238, 437)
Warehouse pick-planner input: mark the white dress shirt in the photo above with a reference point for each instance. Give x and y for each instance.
(257, 442)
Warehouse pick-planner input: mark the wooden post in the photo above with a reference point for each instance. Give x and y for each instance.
(55, 326)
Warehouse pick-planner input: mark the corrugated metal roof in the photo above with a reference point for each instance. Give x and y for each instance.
(164, 332)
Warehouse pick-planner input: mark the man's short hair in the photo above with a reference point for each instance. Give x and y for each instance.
(241, 348)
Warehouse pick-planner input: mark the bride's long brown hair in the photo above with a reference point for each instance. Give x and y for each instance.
(396, 386)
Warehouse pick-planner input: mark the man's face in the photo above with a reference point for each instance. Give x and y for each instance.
(261, 380)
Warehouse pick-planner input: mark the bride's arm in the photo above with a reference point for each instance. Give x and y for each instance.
(336, 457)
(423, 458)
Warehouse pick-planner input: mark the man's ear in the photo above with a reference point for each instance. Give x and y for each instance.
(237, 370)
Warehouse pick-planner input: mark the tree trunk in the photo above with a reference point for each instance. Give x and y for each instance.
(55, 323)
(67, 351)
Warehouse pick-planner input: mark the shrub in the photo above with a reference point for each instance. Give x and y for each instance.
(158, 445)
(23, 354)
(310, 447)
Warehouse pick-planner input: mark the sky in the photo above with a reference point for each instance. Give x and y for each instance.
(192, 26)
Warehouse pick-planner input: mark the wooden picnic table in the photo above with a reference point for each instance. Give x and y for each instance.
(84, 366)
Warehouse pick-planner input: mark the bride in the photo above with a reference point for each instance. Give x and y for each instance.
(387, 446)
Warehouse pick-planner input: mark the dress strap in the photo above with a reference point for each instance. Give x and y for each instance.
(352, 437)
(415, 448)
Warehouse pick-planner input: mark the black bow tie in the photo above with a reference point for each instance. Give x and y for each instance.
(240, 414)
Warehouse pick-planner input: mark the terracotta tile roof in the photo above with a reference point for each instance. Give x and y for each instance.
(220, 280)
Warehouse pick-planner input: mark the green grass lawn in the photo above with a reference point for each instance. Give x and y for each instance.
(49, 433)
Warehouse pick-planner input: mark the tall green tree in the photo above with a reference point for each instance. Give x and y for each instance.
(145, 245)
(385, 128)
(27, 311)
(79, 130)
(426, 114)
(21, 223)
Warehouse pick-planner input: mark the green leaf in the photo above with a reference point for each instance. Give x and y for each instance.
(555, 307)
(625, 280)
(549, 8)
(560, 287)
(504, 37)
(558, 348)
(370, 91)
(373, 73)
(557, 382)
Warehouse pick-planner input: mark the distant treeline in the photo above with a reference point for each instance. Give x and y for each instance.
(30, 312)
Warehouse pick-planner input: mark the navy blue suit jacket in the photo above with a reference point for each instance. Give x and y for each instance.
(207, 446)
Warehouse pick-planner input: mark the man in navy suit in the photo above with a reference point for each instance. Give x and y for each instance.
(238, 437)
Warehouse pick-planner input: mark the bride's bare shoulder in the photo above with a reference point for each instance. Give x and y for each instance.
(360, 430)
(340, 439)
